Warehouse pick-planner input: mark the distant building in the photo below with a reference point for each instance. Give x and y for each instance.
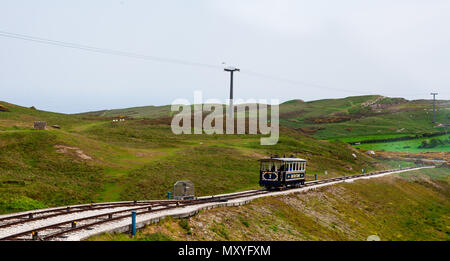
(119, 118)
(40, 125)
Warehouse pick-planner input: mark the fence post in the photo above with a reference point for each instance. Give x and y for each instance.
(133, 223)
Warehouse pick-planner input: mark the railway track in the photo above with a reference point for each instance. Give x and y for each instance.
(38, 215)
(343, 178)
(58, 229)
(29, 228)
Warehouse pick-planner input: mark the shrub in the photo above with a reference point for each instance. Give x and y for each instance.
(20, 203)
(432, 144)
(3, 108)
(184, 223)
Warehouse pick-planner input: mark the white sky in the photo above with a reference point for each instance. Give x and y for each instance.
(387, 47)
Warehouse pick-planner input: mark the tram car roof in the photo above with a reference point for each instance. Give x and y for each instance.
(284, 159)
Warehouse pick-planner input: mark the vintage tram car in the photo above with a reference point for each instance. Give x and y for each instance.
(282, 172)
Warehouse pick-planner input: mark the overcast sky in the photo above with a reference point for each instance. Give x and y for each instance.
(286, 50)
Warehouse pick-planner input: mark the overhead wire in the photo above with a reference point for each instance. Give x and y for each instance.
(163, 59)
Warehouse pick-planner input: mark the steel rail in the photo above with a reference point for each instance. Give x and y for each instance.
(67, 212)
(84, 206)
(71, 221)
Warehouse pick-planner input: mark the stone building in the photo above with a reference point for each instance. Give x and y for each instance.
(40, 125)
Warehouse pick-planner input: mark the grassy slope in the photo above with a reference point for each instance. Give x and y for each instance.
(138, 159)
(409, 117)
(401, 117)
(214, 163)
(320, 108)
(407, 206)
(304, 109)
(397, 119)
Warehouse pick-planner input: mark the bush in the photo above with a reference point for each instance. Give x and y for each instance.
(20, 203)
(3, 108)
(432, 144)
(184, 223)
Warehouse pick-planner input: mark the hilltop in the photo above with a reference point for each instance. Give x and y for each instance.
(348, 119)
(362, 116)
(148, 112)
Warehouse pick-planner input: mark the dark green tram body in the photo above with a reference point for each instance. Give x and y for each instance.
(282, 172)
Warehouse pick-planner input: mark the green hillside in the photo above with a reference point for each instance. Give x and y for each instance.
(361, 116)
(94, 159)
(352, 118)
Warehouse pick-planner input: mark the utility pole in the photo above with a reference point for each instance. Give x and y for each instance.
(231, 70)
(434, 104)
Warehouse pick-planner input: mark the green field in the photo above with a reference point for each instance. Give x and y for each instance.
(409, 145)
(373, 137)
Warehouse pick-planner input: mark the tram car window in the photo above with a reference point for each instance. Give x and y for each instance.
(281, 173)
